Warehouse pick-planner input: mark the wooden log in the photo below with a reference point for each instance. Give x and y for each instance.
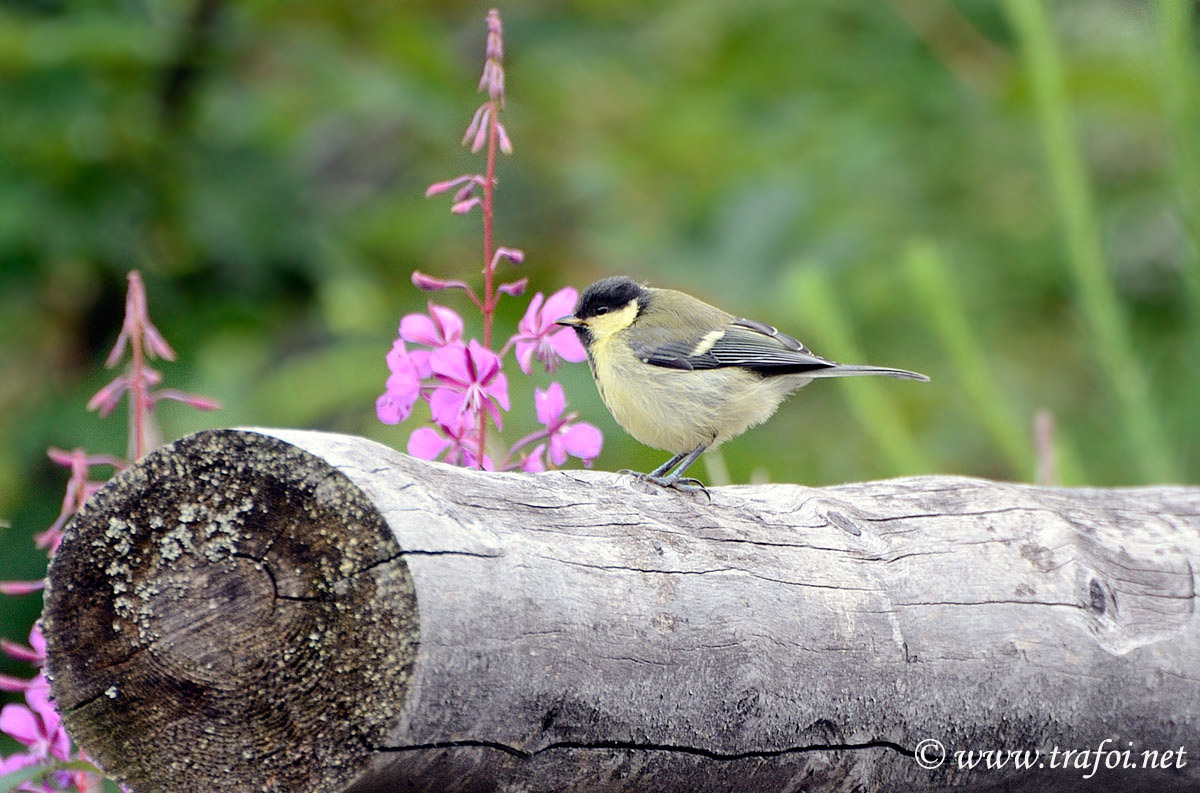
(277, 610)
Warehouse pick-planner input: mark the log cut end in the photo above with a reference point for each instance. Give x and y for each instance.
(248, 617)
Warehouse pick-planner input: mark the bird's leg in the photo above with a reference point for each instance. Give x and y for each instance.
(675, 479)
(667, 466)
(662, 469)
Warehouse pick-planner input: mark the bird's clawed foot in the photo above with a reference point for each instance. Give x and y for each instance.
(682, 484)
(675, 480)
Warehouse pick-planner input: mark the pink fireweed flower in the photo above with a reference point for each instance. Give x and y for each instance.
(403, 386)
(428, 283)
(471, 381)
(459, 445)
(534, 462)
(465, 184)
(514, 255)
(578, 439)
(476, 132)
(14, 684)
(514, 288)
(144, 342)
(37, 726)
(35, 653)
(21, 587)
(79, 489)
(137, 325)
(493, 72)
(440, 327)
(537, 335)
(191, 400)
(463, 207)
(463, 199)
(106, 400)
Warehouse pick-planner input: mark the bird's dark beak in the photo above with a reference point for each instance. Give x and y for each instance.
(570, 320)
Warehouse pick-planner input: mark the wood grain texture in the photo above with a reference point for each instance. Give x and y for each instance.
(581, 631)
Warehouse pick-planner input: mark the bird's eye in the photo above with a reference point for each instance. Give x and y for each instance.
(602, 310)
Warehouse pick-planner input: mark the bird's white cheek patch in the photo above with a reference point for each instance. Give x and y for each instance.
(604, 326)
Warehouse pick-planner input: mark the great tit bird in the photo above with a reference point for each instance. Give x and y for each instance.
(684, 376)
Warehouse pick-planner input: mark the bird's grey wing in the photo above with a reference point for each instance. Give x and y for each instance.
(742, 343)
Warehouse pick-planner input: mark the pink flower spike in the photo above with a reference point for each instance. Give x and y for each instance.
(462, 193)
(514, 255)
(495, 39)
(515, 288)
(13, 684)
(105, 400)
(430, 284)
(18, 652)
(440, 327)
(463, 207)
(191, 400)
(478, 122)
(156, 345)
(467, 180)
(78, 457)
(37, 642)
(35, 653)
(488, 78)
(21, 587)
(484, 116)
(62, 456)
(537, 335)
(137, 324)
(502, 135)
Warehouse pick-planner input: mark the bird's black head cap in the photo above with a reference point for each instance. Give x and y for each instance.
(608, 294)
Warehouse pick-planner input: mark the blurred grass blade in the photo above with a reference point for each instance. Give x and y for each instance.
(1110, 335)
(875, 409)
(1181, 93)
(947, 315)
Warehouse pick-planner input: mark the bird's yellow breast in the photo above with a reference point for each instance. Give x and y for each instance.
(679, 409)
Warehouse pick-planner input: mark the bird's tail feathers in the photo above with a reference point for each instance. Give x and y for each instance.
(851, 370)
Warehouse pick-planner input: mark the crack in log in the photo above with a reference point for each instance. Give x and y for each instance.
(629, 569)
(752, 574)
(633, 746)
(992, 603)
(266, 568)
(423, 552)
(66, 709)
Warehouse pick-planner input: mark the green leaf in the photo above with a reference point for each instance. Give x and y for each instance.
(10, 782)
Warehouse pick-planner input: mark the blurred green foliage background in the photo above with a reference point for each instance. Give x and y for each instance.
(1004, 195)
